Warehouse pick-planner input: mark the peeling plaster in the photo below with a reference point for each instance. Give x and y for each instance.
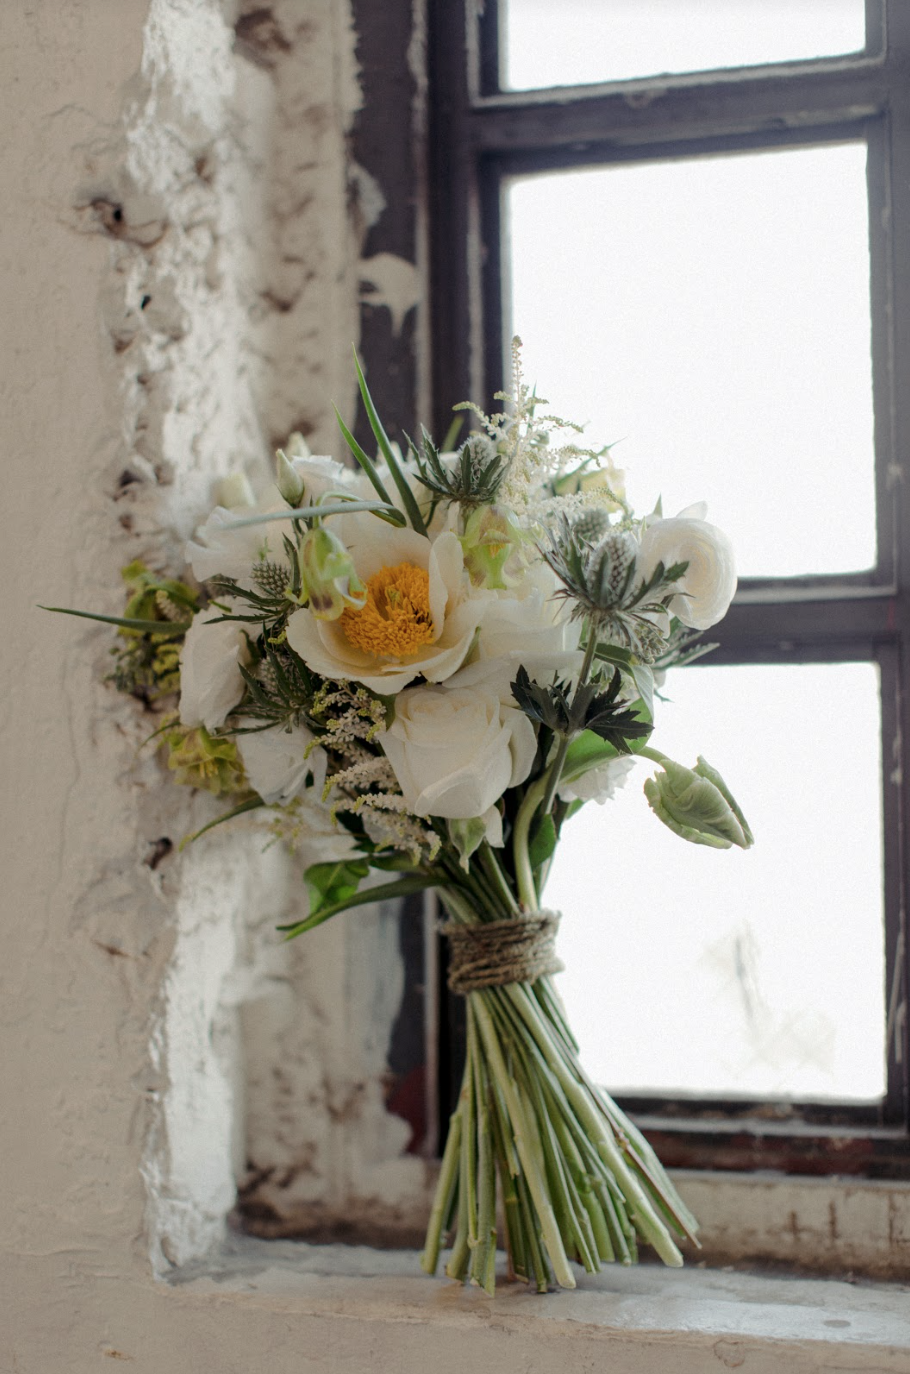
(224, 222)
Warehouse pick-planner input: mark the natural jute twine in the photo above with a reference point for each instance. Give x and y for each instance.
(495, 953)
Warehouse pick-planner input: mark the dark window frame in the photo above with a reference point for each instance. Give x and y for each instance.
(479, 136)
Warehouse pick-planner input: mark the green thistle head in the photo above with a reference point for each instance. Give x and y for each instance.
(597, 564)
(472, 479)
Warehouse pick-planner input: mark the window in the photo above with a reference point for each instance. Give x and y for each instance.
(798, 174)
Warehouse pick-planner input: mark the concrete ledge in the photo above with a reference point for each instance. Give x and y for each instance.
(641, 1319)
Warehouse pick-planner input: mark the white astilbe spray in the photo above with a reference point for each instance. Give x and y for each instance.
(368, 771)
(536, 468)
(360, 718)
(390, 824)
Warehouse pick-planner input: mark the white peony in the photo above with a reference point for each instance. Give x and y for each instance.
(710, 579)
(456, 748)
(211, 684)
(420, 618)
(277, 763)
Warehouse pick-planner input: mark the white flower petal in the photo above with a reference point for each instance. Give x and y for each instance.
(211, 683)
(277, 764)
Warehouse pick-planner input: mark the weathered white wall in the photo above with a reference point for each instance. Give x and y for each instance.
(180, 275)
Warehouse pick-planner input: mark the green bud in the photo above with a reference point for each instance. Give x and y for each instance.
(288, 479)
(329, 581)
(491, 534)
(467, 836)
(696, 804)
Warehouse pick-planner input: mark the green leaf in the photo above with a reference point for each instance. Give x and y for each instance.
(643, 677)
(251, 804)
(364, 460)
(585, 752)
(543, 842)
(548, 706)
(451, 435)
(383, 508)
(165, 629)
(385, 448)
(329, 883)
(404, 887)
(612, 653)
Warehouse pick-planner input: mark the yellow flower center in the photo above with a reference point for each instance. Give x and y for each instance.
(396, 619)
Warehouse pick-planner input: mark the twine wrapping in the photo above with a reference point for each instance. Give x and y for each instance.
(495, 953)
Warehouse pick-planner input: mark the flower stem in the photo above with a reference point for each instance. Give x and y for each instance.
(529, 1149)
(445, 1190)
(524, 874)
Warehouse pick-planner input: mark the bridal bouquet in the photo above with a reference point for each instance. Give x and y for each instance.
(421, 668)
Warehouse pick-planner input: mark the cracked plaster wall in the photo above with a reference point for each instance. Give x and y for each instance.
(180, 264)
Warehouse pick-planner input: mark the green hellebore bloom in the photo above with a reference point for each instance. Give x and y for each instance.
(199, 759)
(330, 583)
(491, 533)
(696, 803)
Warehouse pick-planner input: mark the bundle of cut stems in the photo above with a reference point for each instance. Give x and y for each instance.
(576, 1179)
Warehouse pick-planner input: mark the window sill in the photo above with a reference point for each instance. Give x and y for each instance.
(709, 1318)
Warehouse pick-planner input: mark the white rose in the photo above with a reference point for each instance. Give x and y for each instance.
(211, 684)
(600, 783)
(277, 763)
(370, 646)
(710, 579)
(456, 748)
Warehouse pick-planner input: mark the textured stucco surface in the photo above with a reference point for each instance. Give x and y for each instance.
(180, 264)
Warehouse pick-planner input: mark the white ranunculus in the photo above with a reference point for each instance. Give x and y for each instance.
(454, 609)
(277, 763)
(709, 581)
(211, 684)
(456, 748)
(599, 784)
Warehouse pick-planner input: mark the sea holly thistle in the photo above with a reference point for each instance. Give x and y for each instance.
(472, 479)
(597, 566)
(280, 688)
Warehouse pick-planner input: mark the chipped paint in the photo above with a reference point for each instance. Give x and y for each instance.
(391, 281)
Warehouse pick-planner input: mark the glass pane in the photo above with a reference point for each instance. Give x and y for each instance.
(617, 40)
(713, 316)
(757, 973)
